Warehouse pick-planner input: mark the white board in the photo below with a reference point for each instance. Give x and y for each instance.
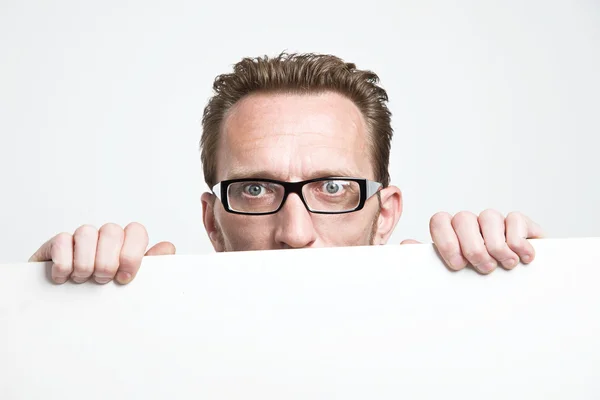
(385, 322)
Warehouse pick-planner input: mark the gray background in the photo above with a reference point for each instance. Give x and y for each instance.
(496, 104)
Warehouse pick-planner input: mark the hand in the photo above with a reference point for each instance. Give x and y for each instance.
(483, 241)
(105, 254)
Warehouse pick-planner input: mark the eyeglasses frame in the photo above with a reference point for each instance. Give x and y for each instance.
(367, 187)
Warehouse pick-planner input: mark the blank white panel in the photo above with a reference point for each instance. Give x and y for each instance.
(383, 322)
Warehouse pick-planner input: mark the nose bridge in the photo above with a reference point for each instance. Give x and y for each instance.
(295, 188)
(294, 195)
(295, 228)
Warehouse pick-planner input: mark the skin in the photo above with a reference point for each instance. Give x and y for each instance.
(293, 138)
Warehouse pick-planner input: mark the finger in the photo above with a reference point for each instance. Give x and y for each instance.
(446, 241)
(85, 241)
(110, 241)
(59, 250)
(410, 241)
(534, 231)
(134, 246)
(162, 249)
(473, 248)
(492, 227)
(517, 232)
(44, 253)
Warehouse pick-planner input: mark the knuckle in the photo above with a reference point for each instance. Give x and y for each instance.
(137, 232)
(442, 215)
(104, 269)
(490, 213)
(496, 248)
(463, 216)
(83, 269)
(111, 230)
(476, 256)
(136, 226)
(61, 269)
(514, 215)
(61, 247)
(439, 219)
(63, 240)
(86, 231)
(516, 244)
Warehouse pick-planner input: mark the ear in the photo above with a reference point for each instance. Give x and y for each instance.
(209, 201)
(389, 214)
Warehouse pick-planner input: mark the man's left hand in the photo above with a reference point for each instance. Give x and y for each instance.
(483, 241)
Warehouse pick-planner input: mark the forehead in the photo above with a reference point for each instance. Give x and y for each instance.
(293, 137)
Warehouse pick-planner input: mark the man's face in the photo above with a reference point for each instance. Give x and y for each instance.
(294, 138)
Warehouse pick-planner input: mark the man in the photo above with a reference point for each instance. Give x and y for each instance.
(295, 150)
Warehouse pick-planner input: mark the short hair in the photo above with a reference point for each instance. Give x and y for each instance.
(301, 74)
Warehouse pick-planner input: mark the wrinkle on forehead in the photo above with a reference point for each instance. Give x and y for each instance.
(294, 134)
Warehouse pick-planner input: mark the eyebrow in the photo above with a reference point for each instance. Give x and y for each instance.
(258, 174)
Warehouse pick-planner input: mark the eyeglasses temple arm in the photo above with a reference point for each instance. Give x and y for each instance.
(217, 190)
(372, 188)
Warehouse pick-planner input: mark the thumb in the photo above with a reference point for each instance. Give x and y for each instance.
(161, 249)
(410, 241)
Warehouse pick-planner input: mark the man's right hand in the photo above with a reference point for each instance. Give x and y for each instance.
(105, 254)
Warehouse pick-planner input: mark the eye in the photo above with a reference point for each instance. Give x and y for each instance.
(332, 187)
(254, 189)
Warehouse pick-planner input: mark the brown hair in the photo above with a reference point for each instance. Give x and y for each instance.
(299, 73)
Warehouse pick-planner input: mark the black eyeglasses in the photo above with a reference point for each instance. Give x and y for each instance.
(333, 195)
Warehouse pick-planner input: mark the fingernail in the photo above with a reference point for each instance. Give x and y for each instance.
(510, 263)
(102, 281)
(60, 279)
(78, 279)
(487, 267)
(456, 262)
(123, 277)
(526, 258)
